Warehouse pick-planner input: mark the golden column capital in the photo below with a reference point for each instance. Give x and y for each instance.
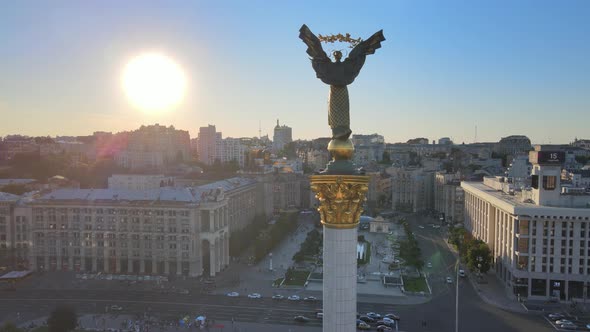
(341, 198)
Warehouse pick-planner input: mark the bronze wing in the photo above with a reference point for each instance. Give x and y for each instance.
(320, 62)
(356, 59)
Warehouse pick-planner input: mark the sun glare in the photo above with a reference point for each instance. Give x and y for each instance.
(154, 82)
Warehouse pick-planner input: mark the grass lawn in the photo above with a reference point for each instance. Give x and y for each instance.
(296, 278)
(415, 284)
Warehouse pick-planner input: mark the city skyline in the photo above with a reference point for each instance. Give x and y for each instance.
(523, 64)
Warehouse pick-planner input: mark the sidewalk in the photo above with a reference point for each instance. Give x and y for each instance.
(492, 291)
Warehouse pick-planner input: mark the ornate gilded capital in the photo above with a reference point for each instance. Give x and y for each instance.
(341, 198)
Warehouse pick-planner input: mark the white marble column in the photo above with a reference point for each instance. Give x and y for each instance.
(340, 276)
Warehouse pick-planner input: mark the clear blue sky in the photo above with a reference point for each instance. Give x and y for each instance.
(507, 67)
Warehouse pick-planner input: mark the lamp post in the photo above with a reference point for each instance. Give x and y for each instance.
(270, 263)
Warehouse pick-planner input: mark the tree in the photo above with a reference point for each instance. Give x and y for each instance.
(479, 256)
(62, 319)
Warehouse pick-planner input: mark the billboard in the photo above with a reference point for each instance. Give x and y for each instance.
(547, 157)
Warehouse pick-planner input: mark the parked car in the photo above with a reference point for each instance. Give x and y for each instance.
(389, 323)
(294, 298)
(233, 294)
(383, 328)
(373, 315)
(568, 326)
(278, 297)
(429, 265)
(254, 296)
(462, 273)
(555, 316)
(421, 227)
(116, 308)
(449, 280)
(310, 298)
(301, 319)
(363, 326)
(392, 316)
(319, 315)
(367, 319)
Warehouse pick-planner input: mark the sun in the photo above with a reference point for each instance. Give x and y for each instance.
(154, 82)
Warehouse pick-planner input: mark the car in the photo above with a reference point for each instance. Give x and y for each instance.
(233, 294)
(383, 328)
(462, 273)
(278, 297)
(429, 265)
(555, 316)
(449, 280)
(563, 321)
(588, 326)
(319, 315)
(310, 298)
(363, 326)
(294, 298)
(367, 319)
(115, 307)
(568, 326)
(301, 319)
(392, 317)
(254, 296)
(389, 323)
(420, 226)
(373, 315)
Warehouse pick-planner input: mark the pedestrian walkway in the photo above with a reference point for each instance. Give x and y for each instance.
(491, 290)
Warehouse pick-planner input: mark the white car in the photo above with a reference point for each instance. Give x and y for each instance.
(420, 226)
(233, 294)
(449, 280)
(462, 273)
(429, 265)
(563, 321)
(293, 298)
(254, 296)
(116, 308)
(278, 297)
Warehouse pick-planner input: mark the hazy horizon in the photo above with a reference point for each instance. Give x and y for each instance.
(507, 68)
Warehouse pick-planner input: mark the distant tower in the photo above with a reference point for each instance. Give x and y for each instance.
(475, 138)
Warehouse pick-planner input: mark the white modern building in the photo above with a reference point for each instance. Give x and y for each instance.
(539, 238)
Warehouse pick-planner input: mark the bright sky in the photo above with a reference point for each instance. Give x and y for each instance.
(507, 67)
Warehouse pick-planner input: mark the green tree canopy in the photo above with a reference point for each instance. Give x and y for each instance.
(62, 319)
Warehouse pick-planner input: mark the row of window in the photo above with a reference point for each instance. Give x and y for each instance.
(113, 253)
(53, 211)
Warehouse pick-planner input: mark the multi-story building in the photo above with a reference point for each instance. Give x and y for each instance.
(448, 196)
(139, 181)
(13, 145)
(208, 144)
(513, 145)
(412, 188)
(241, 194)
(582, 143)
(539, 238)
(152, 231)
(151, 147)
(282, 135)
(234, 150)
(15, 231)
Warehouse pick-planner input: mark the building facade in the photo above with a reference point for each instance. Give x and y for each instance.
(412, 188)
(282, 136)
(139, 181)
(539, 238)
(157, 231)
(449, 197)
